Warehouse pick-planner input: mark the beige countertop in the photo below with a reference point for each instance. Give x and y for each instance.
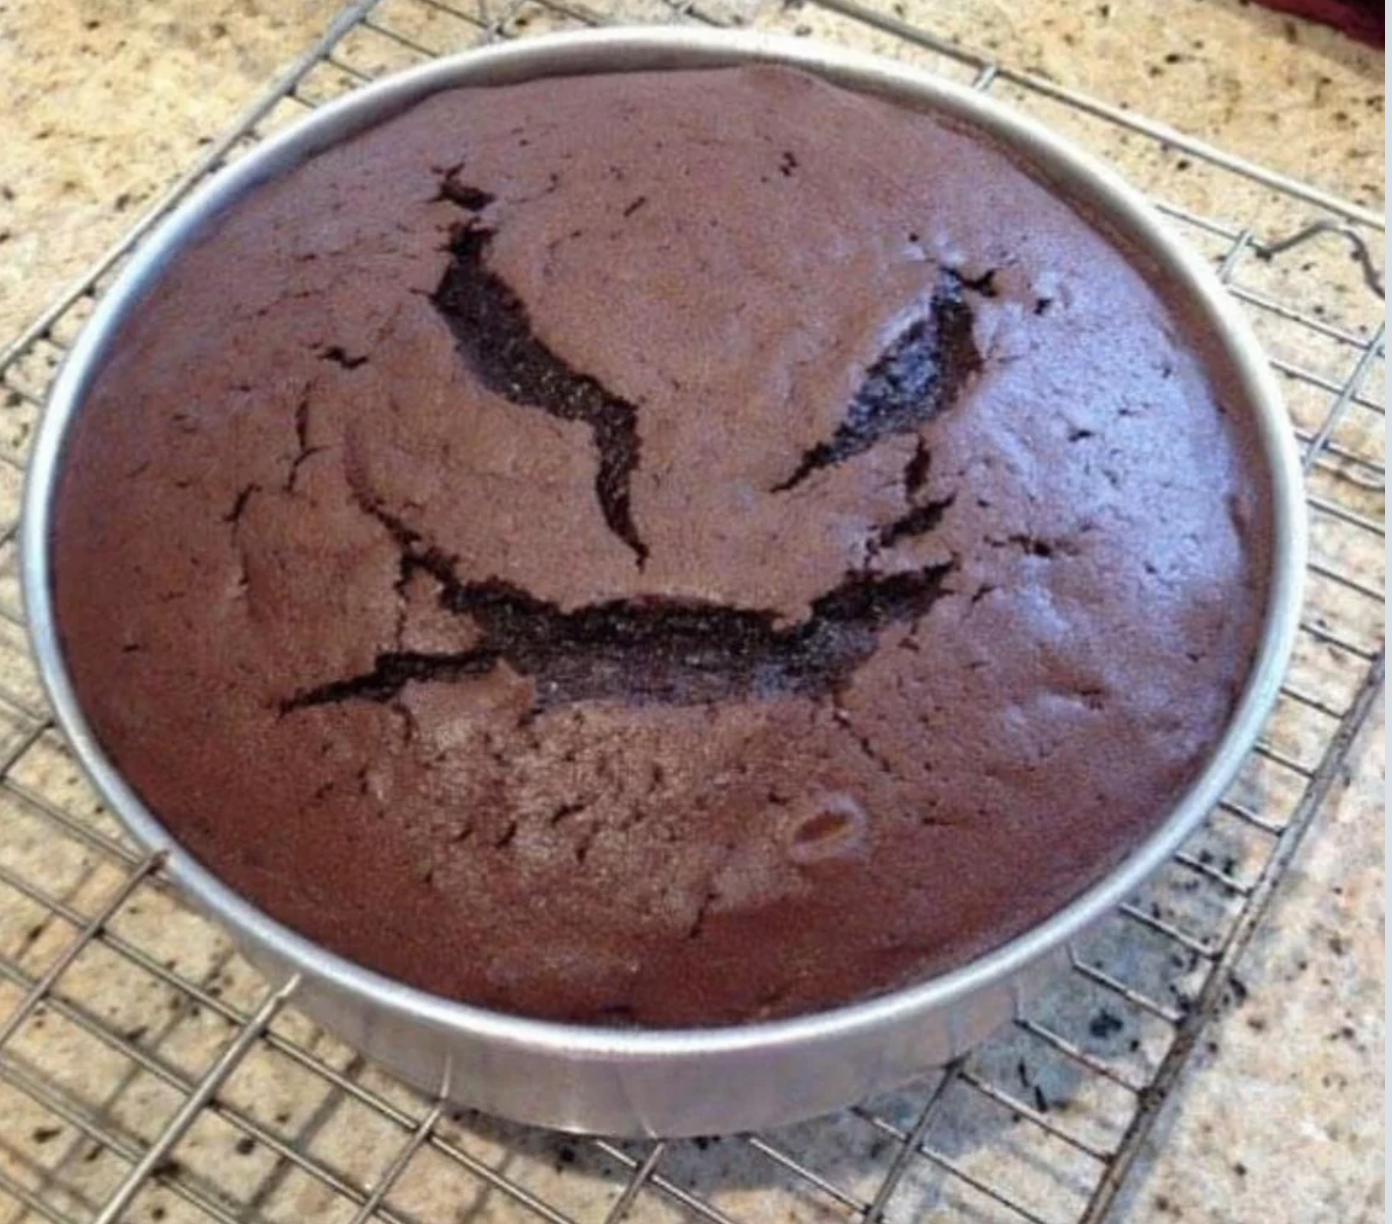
(1279, 1115)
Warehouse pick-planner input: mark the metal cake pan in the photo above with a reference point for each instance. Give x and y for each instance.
(690, 1081)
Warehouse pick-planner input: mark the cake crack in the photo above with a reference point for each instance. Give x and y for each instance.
(919, 520)
(648, 650)
(493, 334)
(645, 649)
(304, 452)
(919, 374)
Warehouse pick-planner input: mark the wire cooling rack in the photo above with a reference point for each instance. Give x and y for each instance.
(148, 1073)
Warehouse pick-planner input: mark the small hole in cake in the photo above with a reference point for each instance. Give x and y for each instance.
(832, 826)
(823, 826)
(564, 812)
(337, 354)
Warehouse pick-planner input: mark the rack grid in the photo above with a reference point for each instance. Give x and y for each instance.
(203, 1095)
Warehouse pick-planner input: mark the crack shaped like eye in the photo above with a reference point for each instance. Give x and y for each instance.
(920, 373)
(494, 336)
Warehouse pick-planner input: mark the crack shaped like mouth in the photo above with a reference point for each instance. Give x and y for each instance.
(648, 649)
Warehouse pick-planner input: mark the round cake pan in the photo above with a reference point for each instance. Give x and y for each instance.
(693, 1081)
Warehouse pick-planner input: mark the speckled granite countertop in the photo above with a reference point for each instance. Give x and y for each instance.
(1279, 1116)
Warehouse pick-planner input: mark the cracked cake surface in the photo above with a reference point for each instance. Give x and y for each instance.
(661, 549)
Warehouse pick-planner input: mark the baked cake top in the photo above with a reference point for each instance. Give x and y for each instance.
(666, 548)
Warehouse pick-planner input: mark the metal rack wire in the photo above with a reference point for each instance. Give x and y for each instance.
(147, 1072)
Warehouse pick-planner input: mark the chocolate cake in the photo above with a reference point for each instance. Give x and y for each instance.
(660, 549)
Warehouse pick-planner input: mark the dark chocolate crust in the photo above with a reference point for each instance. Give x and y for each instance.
(669, 549)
